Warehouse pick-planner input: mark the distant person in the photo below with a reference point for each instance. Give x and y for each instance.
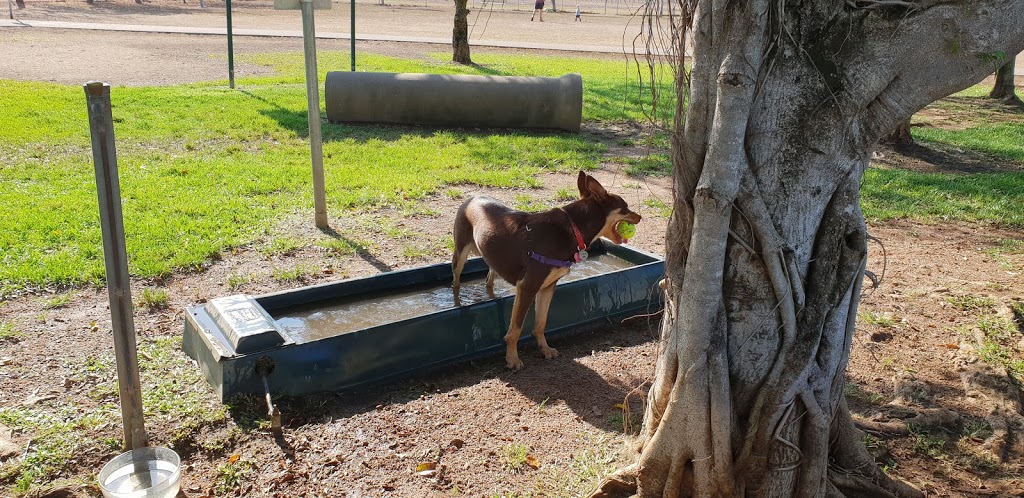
(538, 10)
(578, 12)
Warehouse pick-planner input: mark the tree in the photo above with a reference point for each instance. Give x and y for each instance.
(899, 135)
(1004, 88)
(767, 247)
(460, 33)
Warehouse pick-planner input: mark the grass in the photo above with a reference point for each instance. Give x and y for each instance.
(173, 392)
(231, 474)
(515, 456)
(649, 165)
(204, 169)
(8, 332)
(292, 274)
(878, 319)
(58, 301)
(282, 246)
(659, 206)
(236, 280)
(526, 202)
(1000, 337)
(154, 299)
(970, 302)
(341, 246)
(579, 476)
(938, 197)
(855, 391)
(928, 443)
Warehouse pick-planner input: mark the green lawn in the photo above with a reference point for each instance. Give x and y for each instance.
(204, 168)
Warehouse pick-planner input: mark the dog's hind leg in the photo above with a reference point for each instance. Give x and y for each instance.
(458, 263)
(525, 293)
(490, 283)
(541, 320)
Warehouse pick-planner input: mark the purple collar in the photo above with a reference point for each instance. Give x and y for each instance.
(549, 261)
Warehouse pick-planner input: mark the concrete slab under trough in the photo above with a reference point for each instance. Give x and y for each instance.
(360, 331)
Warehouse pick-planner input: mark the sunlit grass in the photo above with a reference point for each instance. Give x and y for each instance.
(982, 197)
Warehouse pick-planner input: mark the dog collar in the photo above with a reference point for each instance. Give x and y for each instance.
(581, 247)
(550, 261)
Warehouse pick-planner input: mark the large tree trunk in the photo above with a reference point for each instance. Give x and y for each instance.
(1004, 88)
(766, 249)
(460, 34)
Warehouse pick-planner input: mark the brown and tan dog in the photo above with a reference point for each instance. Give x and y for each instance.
(533, 250)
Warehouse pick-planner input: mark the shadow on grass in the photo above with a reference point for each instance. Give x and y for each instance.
(361, 250)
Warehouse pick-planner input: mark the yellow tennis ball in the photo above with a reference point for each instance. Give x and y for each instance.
(625, 229)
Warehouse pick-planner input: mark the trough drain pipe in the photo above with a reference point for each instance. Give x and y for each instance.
(264, 367)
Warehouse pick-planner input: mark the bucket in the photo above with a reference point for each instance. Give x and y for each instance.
(150, 472)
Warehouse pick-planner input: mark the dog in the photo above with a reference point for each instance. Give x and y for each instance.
(533, 250)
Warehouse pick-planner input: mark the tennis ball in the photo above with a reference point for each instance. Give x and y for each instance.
(625, 229)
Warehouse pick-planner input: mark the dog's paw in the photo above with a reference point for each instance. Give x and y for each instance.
(514, 363)
(549, 353)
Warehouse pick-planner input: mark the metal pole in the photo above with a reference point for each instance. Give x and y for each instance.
(101, 124)
(10, 8)
(313, 112)
(231, 49)
(353, 35)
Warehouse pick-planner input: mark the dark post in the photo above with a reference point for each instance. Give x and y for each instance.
(353, 35)
(101, 124)
(231, 49)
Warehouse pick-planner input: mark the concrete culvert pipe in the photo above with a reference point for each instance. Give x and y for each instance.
(455, 100)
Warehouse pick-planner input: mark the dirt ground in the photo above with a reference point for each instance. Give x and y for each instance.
(911, 359)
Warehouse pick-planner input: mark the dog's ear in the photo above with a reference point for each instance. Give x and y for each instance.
(589, 186)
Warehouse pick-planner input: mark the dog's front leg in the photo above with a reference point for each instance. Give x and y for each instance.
(541, 319)
(525, 294)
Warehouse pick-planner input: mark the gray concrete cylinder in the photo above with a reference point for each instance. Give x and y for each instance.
(455, 100)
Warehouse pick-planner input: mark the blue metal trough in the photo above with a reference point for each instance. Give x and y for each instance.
(355, 332)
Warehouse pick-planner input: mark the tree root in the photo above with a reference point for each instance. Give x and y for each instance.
(924, 418)
(621, 484)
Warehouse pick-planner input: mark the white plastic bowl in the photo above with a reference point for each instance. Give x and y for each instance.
(150, 472)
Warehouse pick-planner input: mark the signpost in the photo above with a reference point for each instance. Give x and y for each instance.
(313, 100)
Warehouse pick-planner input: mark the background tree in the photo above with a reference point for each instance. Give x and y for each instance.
(1004, 88)
(767, 246)
(460, 33)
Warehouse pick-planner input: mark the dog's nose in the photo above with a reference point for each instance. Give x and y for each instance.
(634, 218)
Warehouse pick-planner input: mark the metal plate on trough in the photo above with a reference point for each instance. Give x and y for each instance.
(354, 332)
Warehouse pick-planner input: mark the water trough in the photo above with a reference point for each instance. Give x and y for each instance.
(360, 331)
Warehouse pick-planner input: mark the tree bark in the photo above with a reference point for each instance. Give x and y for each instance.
(460, 34)
(1004, 88)
(899, 136)
(766, 248)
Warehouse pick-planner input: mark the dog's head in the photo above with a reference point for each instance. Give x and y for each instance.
(612, 206)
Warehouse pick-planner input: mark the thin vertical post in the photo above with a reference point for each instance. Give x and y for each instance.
(353, 35)
(313, 111)
(231, 49)
(108, 187)
(10, 8)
